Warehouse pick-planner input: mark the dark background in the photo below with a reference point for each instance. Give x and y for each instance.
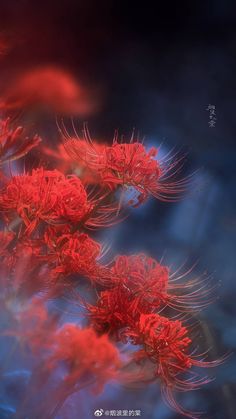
(157, 69)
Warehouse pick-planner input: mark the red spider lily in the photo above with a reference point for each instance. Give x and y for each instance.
(51, 197)
(153, 284)
(115, 311)
(143, 277)
(128, 165)
(72, 204)
(167, 344)
(51, 212)
(74, 253)
(46, 196)
(130, 293)
(13, 143)
(137, 285)
(120, 306)
(47, 86)
(85, 353)
(89, 360)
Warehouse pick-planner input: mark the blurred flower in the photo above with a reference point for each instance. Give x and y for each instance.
(85, 354)
(48, 86)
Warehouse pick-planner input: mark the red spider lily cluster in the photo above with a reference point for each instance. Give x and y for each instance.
(47, 250)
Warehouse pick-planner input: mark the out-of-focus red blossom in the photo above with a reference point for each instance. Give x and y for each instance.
(33, 325)
(74, 253)
(46, 196)
(89, 359)
(47, 86)
(13, 143)
(82, 350)
(128, 165)
(85, 354)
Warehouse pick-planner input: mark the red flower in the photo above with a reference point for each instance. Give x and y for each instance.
(144, 277)
(136, 285)
(115, 312)
(153, 283)
(129, 165)
(85, 354)
(74, 253)
(13, 144)
(46, 196)
(167, 344)
(48, 86)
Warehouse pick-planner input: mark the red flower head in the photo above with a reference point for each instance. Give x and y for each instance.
(48, 86)
(85, 354)
(167, 344)
(46, 196)
(144, 277)
(74, 253)
(153, 283)
(115, 311)
(139, 284)
(13, 144)
(129, 165)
